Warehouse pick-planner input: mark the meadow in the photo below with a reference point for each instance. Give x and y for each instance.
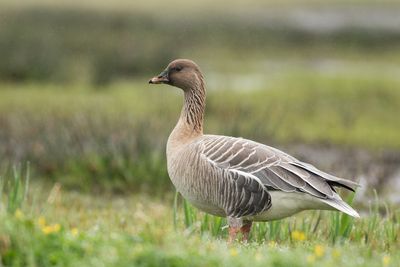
(51, 227)
(83, 179)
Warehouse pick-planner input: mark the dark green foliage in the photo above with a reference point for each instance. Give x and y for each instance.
(70, 45)
(55, 44)
(14, 189)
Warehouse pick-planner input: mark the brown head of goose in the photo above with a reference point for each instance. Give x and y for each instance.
(237, 178)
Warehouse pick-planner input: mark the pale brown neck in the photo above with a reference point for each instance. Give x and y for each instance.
(193, 109)
(190, 124)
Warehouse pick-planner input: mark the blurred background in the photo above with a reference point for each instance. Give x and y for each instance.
(318, 79)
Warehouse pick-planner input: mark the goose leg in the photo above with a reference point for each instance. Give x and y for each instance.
(233, 231)
(245, 229)
(235, 226)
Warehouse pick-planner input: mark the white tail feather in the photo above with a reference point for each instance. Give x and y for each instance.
(339, 204)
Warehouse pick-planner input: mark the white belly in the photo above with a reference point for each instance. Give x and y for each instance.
(286, 204)
(283, 205)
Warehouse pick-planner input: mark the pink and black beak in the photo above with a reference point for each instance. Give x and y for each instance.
(162, 78)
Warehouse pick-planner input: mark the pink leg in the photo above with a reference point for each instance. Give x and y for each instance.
(233, 231)
(245, 230)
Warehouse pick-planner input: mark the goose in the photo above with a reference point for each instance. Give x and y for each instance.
(236, 178)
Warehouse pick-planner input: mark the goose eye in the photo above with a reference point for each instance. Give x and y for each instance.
(178, 69)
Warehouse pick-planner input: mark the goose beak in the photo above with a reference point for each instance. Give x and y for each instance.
(162, 78)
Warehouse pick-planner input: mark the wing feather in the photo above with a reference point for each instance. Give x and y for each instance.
(253, 169)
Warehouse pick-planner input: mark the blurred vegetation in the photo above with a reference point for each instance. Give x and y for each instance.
(115, 138)
(71, 45)
(46, 43)
(329, 84)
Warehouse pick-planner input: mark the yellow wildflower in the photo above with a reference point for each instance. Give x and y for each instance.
(298, 235)
(336, 254)
(47, 229)
(51, 229)
(233, 252)
(258, 256)
(319, 251)
(18, 214)
(272, 244)
(310, 258)
(74, 231)
(42, 221)
(386, 260)
(56, 227)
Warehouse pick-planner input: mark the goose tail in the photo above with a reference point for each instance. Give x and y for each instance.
(342, 206)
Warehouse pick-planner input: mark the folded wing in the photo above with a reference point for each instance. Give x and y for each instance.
(264, 168)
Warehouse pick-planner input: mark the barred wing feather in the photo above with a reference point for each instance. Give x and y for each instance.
(253, 169)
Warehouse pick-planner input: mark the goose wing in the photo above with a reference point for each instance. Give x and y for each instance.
(249, 166)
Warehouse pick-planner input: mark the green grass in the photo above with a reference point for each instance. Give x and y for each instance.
(53, 227)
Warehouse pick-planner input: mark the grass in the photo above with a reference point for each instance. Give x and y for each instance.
(53, 227)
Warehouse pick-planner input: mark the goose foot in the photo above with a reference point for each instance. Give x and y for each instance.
(233, 231)
(245, 229)
(237, 225)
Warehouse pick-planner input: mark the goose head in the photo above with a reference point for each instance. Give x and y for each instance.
(181, 73)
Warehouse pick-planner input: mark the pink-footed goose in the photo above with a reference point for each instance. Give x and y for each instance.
(237, 178)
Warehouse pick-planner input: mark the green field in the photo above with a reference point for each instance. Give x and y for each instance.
(42, 226)
(83, 177)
